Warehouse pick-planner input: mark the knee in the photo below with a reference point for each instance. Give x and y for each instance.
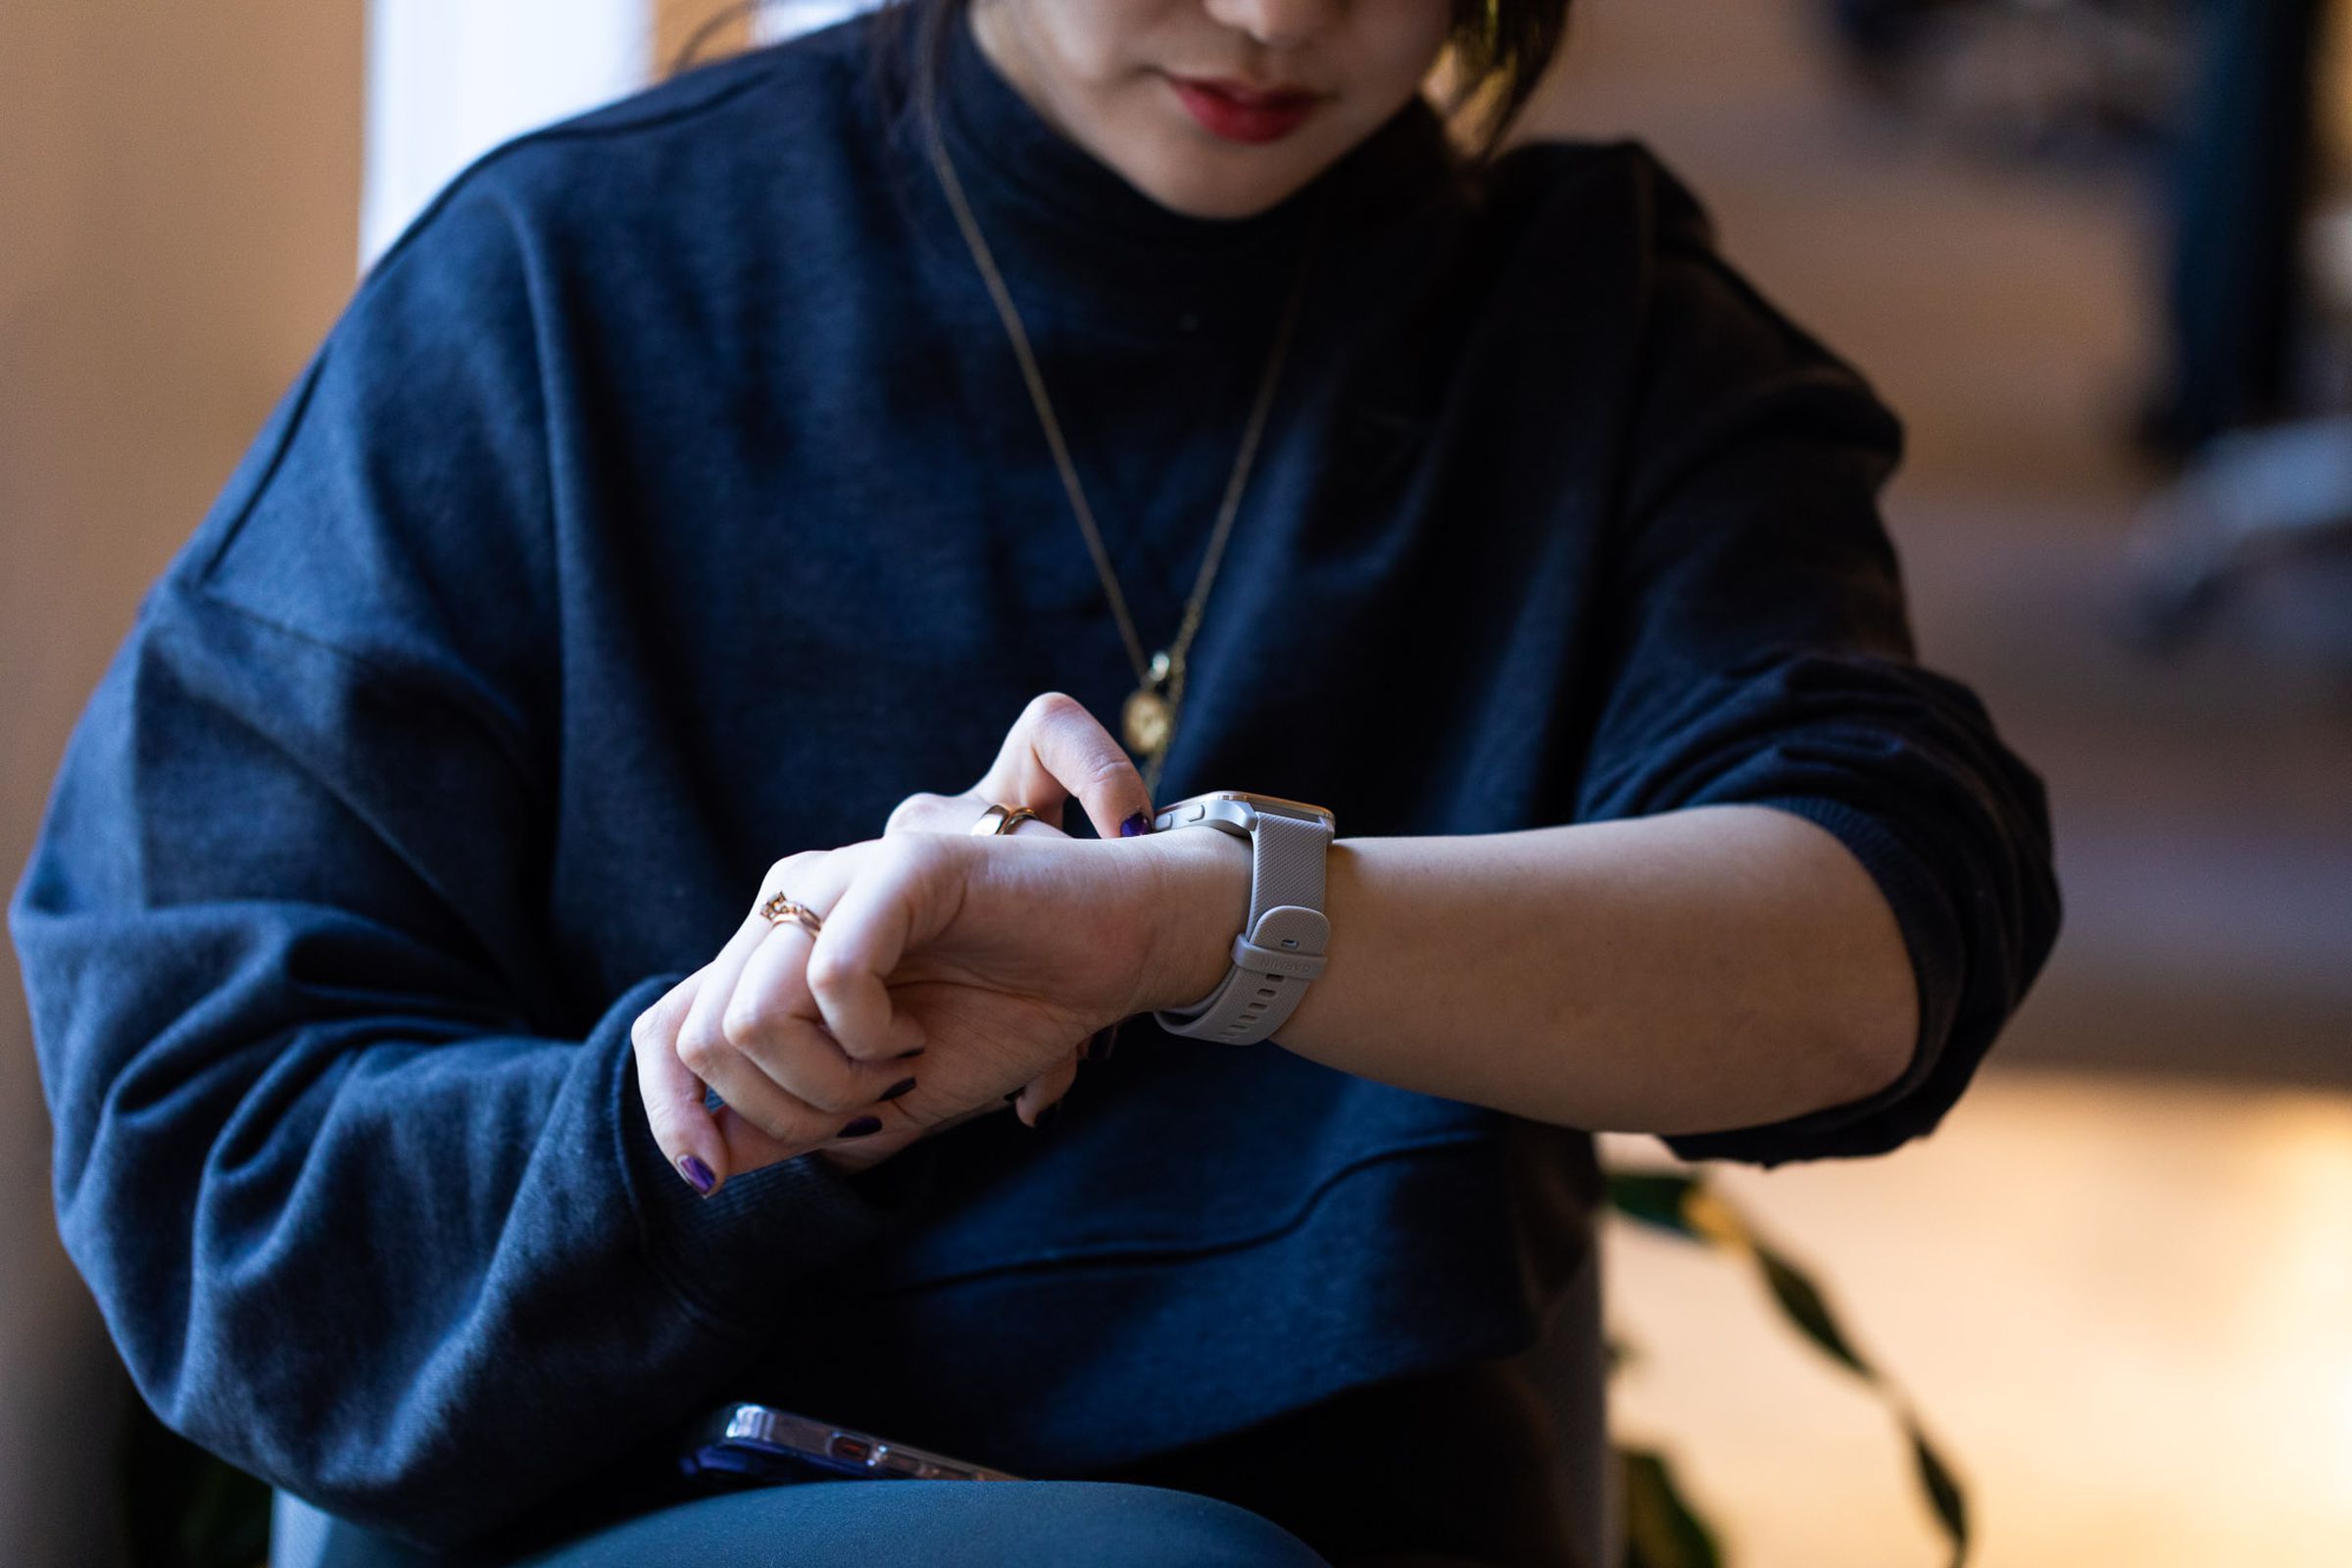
(1159, 1527)
(947, 1524)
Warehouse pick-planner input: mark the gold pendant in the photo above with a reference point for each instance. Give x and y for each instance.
(1150, 717)
(1147, 720)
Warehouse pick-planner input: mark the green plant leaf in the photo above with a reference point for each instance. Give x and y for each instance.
(1695, 1209)
(1802, 1300)
(1660, 1529)
(1943, 1492)
(1654, 1200)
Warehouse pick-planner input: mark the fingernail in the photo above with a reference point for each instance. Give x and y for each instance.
(861, 1127)
(1134, 825)
(1047, 1117)
(898, 1089)
(698, 1175)
(908, 1056)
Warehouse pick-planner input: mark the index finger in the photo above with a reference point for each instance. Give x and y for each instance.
(1057, 747)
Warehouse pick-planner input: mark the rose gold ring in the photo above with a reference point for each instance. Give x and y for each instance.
(779, 907)
(1002, 818)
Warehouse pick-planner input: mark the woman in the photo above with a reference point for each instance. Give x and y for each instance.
(712, 479)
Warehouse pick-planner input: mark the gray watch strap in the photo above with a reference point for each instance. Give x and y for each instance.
(1281, 945)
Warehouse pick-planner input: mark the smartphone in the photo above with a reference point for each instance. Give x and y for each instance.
(757, 1445)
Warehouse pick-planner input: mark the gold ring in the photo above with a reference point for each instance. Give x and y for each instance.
(779, 907)
(1002, 818)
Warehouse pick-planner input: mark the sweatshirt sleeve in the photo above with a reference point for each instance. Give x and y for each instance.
(1762, 653)
(364, 1189)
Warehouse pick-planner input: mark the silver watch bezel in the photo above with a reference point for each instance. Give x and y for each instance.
(1215, 812)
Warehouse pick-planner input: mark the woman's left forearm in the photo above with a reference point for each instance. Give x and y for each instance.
(1722, 966)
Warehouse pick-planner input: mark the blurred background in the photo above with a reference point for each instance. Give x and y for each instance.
(2098, 253)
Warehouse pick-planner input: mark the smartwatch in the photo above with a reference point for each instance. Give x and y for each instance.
(1281, 944)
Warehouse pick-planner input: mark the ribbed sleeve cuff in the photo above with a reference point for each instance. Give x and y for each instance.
(730, 1254)
(1931, 936)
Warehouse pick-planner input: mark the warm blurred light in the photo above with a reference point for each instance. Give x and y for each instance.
(448, 79)
(2125, 1305)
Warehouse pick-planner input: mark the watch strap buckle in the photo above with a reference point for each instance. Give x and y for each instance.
(1288, 940)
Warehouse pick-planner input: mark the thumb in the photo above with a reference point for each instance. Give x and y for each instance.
(1044, 1095)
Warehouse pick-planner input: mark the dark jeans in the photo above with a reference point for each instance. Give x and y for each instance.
(955, 1524)
(862, 1524)
(1455, 1469)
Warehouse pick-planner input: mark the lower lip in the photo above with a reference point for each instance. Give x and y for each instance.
(1239, 121)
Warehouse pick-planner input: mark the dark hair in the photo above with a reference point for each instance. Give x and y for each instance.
(1495, 53)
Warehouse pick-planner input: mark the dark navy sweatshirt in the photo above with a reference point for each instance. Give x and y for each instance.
(668, 500)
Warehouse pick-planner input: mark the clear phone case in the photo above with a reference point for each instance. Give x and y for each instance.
(757, 1445)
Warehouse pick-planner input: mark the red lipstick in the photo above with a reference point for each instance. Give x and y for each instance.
(1240, 113)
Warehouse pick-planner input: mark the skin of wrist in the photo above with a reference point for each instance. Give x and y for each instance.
(1202, 903)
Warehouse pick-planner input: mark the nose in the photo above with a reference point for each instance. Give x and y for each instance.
(1277, 24)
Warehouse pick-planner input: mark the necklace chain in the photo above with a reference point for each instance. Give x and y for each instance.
(1157, 701)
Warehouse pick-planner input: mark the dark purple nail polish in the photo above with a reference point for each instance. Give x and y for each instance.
(1135, 825)
(898, 1089)
(1047, 1117)
(861, 1127)
(698, 1175)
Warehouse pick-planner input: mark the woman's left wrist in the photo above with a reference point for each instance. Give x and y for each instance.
(1200, 904)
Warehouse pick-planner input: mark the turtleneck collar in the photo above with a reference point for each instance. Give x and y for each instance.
(1045, 200)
